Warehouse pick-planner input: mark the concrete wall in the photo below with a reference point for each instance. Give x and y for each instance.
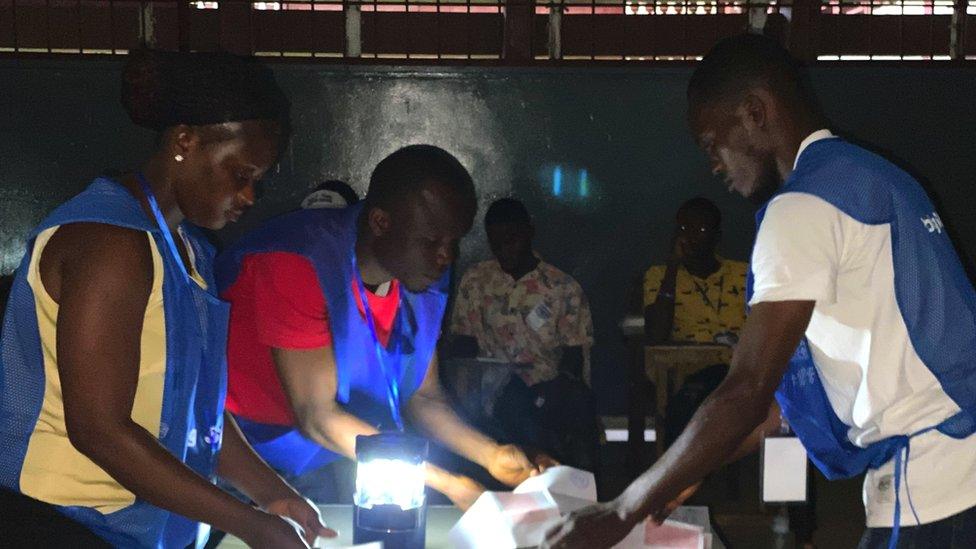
(518, 131)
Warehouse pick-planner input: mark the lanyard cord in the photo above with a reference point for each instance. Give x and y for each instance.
(703, 292)
(392, 386)
(163, 227)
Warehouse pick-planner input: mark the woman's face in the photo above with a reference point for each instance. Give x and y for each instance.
(221, 168)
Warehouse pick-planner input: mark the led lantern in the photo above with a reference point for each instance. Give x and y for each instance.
(390, 505)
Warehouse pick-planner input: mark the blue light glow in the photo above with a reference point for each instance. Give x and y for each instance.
(584, 184)
(557, 181)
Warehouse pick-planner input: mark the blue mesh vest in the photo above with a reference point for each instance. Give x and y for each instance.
(935, 298)
(327, 238)
(195, 380)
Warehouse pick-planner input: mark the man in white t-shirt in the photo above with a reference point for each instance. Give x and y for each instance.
(863, 322)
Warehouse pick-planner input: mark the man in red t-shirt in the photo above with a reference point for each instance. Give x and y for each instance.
(283, 370)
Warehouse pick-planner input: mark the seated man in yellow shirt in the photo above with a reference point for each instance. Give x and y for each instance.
(696, 297)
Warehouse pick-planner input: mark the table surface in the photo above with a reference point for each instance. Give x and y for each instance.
(440, 520)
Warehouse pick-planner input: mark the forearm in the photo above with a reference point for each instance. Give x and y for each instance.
(722, 426)
(719, 430)
(239, 464)
(333, 428)
(435, 417)
(439, 479)
(139, 463)
(753, 440)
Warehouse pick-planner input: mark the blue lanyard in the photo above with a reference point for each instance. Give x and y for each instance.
(163, 227)
(392, 384)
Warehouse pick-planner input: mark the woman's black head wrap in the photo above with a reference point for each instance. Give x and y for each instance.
(164, 89)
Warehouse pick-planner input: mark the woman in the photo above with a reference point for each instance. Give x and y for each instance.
(112, 376)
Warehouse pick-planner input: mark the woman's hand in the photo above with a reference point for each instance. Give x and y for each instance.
(273, 532)
(305, 514)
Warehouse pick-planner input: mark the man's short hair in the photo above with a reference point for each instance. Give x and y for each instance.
(738, 63)
(406, 171)
(705, 206)
(507, 210)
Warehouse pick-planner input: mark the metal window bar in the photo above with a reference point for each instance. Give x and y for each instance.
(922, 27)
(935, 15)
(691, 17)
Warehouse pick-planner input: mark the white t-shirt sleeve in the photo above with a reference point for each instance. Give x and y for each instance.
(798, 250)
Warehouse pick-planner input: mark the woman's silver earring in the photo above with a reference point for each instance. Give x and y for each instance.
(178, 158)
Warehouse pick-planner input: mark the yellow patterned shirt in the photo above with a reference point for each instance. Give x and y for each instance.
(703, 308)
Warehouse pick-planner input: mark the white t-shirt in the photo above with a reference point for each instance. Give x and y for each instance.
(807, 249)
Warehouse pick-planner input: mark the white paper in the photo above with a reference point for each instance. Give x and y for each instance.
(670, 535)
(505, 520)
(694, 519)
(570, 488)
(784, 470)
(673, 535)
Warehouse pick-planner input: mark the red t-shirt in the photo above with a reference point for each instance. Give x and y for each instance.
(289, 312)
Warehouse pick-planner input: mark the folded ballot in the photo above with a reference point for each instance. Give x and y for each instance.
(570, 488)
(507, 520)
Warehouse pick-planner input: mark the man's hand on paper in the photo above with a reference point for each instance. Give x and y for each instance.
(274, 532)
(305, 514)
(511, 466)
(599, 525)
(604, 524)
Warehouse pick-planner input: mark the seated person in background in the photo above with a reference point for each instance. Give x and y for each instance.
(696, 297)
(524, 311)
(331, 193)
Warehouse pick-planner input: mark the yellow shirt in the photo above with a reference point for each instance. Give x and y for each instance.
(703, 308)
(53, 470)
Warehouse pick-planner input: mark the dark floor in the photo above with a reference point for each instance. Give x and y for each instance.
(732, 496)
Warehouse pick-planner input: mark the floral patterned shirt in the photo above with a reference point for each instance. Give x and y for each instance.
(528, 320)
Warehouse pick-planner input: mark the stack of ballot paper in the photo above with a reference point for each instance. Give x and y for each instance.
(670, 535)
(509, 520)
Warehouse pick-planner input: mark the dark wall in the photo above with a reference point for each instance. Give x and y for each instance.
(620, 129)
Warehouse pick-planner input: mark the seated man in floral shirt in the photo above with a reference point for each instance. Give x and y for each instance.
(521, 310)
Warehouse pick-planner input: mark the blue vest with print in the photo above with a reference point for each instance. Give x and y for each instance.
(327, 238)
(195, 384)
(935, 298)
